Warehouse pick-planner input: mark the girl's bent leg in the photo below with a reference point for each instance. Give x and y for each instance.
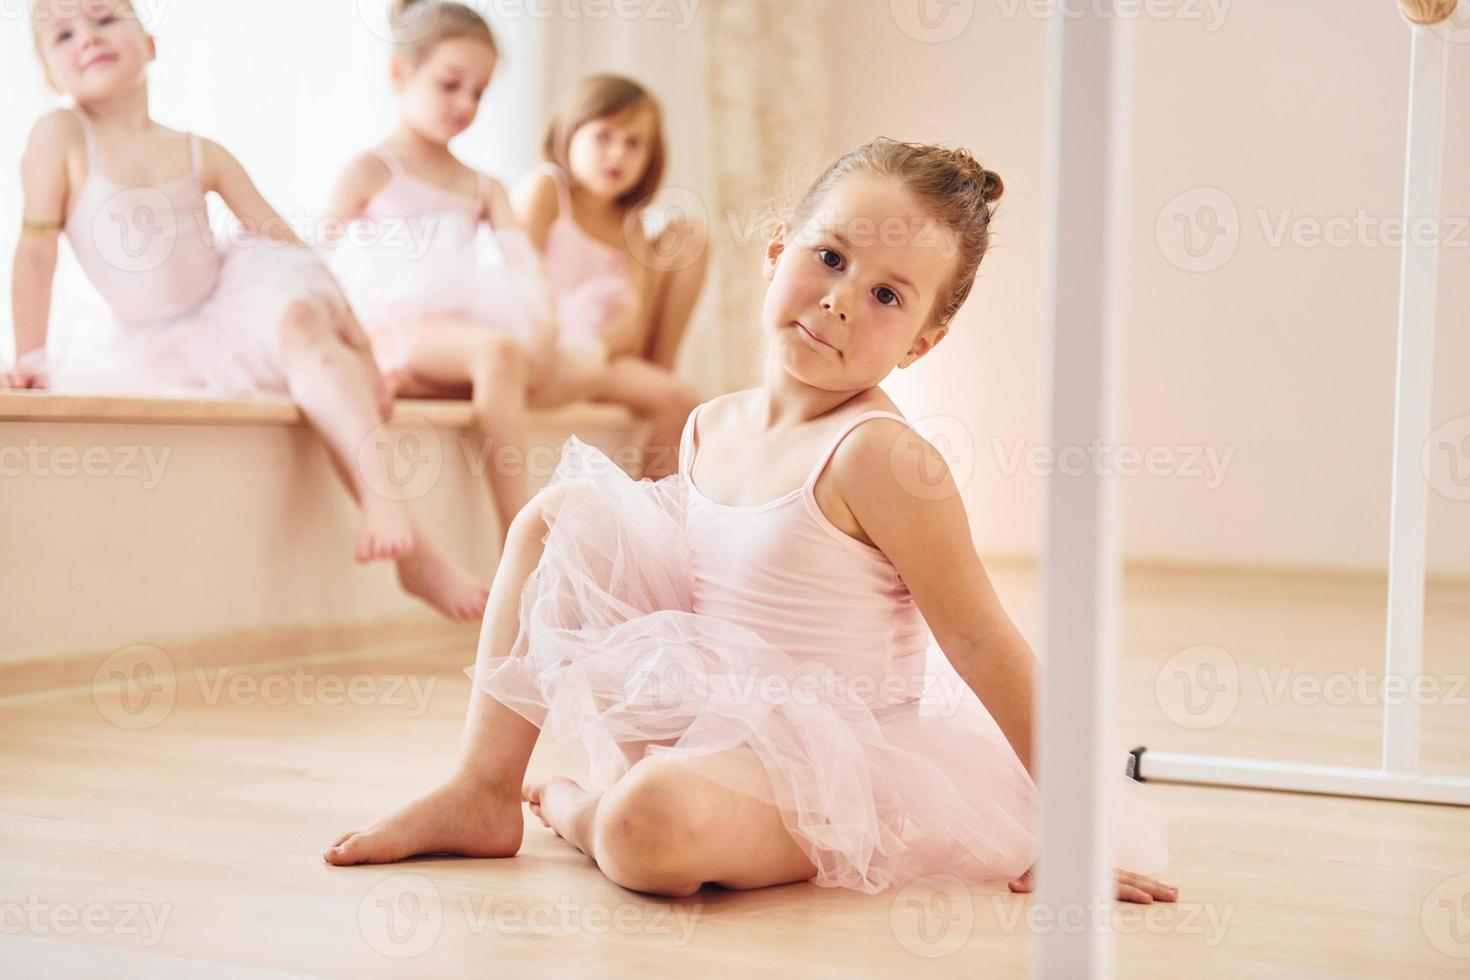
(453, 353)
(666, 829)
(675, 292)
(477, 811)
(660, 397)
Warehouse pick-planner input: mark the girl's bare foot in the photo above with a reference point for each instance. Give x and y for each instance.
(430, 576)
(386, 533)
(462, 816)
(564, 806)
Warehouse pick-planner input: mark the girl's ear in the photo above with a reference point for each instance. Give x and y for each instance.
(397, 72)
(926, 341)
(774, 248)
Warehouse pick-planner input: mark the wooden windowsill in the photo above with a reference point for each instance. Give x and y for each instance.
(26, 406)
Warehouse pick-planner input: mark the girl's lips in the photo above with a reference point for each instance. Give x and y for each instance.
(802, 327)
(101, 59)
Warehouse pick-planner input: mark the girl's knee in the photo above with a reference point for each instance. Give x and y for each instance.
(648, 830)
(305, 324)
(530, 525)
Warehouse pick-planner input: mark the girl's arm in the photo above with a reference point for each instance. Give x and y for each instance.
(536, 206)
(224, 175)
(44, 183)
(524, 255)
(899, 490)
(359, 182)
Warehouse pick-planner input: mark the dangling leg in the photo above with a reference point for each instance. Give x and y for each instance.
(477, 811)
(327, 381)
(452, 355)
(332, 382)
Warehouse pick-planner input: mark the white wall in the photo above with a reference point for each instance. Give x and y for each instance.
(1284, 355)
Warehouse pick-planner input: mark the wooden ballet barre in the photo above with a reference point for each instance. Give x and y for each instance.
(24, 406)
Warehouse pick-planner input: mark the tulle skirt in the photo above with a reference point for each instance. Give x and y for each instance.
(401, 278)
(611, 654)
(228, 346)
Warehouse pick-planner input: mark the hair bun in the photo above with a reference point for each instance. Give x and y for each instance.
(988, 181)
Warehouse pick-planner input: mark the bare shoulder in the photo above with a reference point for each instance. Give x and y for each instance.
(537, 191)
(54, 135)
(366, 172)
(885, 457)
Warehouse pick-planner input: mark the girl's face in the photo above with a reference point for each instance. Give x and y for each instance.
(92, 49)
(440, 98)
(852, 292)
(609, 156)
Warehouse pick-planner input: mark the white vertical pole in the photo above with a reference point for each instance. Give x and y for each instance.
(1080, 549)
(1408, 516)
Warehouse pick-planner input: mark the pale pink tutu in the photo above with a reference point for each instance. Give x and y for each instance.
(228, 346)
(610, 655)
(400, 272)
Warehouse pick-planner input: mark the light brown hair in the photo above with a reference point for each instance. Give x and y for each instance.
(950, 184)
(420, 25)
(599, 97)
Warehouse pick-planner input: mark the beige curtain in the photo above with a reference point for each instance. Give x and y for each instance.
(766, 134)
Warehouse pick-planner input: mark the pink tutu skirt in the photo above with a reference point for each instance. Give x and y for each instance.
(612, 655)
(402, 273)
(228, 346)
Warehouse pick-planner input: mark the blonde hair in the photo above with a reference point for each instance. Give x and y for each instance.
(949, 183)
(421, 25)
(599, 97)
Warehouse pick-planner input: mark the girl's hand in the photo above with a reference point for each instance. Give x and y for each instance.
(18, 377)
(1131, 887)
(29, 372)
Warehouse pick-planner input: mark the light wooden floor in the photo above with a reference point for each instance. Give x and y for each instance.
(190, 847)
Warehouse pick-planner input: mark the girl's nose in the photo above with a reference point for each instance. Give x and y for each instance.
(830, 305)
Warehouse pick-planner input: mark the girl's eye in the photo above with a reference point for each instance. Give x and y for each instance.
(106, 21)
(448, 86)
(603, 136)
(886, 296)
(823, 253)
